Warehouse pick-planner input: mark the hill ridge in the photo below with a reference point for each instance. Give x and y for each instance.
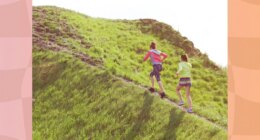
(161, 30)
(57, 29)
(75, 55)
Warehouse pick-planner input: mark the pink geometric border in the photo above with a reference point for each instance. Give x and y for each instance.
(15, 70)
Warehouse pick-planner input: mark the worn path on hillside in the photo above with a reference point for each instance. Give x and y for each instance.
(170, 101)
(88, 60)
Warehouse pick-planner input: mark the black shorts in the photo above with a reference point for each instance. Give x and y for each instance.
(185, 82)
(157, 68)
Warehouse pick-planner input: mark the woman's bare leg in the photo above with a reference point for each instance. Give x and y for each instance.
(152, 80)
(161, 86)
(178, 92)
(188, 97)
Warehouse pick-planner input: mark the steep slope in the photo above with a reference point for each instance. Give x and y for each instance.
(78, 101)
(65, 41)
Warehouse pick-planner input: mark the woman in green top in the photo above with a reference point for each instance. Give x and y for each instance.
(184, 72)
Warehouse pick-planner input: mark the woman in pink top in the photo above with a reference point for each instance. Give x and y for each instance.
(155, 57)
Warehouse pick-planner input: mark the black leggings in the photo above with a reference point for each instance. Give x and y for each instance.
(156, 71)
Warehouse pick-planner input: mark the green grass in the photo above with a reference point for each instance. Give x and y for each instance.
(76, 101)
(120, 45)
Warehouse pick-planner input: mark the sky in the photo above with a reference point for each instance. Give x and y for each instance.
(204, 22)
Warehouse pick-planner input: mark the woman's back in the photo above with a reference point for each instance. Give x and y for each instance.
(185, 69)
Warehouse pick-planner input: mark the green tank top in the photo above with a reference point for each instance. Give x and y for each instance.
(184, 69)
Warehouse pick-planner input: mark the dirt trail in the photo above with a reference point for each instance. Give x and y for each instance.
(171, 102)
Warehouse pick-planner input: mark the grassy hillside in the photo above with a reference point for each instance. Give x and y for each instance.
(76, 59)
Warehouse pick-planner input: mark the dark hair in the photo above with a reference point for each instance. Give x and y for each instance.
(153, 45)
(184, 57)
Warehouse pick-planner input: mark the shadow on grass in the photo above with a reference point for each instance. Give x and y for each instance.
(142, 118)
(175, 119)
